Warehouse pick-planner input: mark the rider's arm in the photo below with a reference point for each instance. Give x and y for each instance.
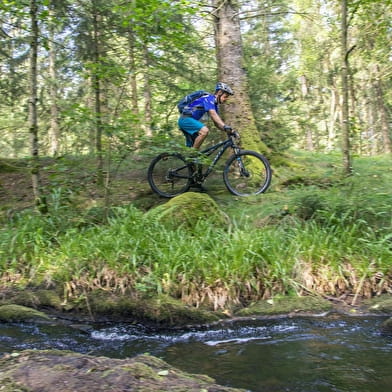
(216, 119)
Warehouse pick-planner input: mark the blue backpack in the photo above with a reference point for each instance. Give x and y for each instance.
(183, 107)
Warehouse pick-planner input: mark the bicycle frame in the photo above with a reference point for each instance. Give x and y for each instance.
(221, 146)
(245, 172)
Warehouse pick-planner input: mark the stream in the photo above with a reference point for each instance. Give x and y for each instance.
(303, 354)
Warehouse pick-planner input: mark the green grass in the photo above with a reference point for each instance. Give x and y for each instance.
(295, 239)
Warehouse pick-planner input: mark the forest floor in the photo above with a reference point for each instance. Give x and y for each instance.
(75, 178)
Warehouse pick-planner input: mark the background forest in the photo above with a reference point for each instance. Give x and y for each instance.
(112, 71)
(89, 90)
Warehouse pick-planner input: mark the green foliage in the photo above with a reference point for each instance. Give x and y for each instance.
(301, 239)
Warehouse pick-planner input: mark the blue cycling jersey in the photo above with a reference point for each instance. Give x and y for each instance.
(202, 105)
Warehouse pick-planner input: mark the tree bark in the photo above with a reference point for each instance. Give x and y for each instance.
(40, 201)
(147, 94)
(132, 66)
(385, 131)
(97, 93)
(347, 165)
(237, 112)
(54, 130)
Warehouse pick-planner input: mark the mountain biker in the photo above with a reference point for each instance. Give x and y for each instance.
(190, 122)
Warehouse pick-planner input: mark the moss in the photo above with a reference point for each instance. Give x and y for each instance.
(13, 313)
(53, 370)
(102, 304)
(386, 327)
(381, 304)
(315, 180)
(160, 310)
(284, 305)
(164, 309)
(141, 370)
(49, 298)
(34, 298)
(187, 209)
(24, 298)
(8, 385)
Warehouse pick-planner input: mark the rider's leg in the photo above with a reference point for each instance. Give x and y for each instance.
(203, 133)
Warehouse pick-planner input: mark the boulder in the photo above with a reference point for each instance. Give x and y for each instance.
(187, 209)
(65, 371)
(386, 327)
(18, 313)
(380, 304)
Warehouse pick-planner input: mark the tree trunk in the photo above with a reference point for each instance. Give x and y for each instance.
(333, 115)
(309, 143)
(383, 112)
(97, 93)
(132, 66)
(237, 112)
(147, 95)
(33, 118)
(371, 124)
(347, 165)
(54, 130)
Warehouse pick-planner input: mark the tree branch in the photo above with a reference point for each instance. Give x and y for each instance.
(260, 13)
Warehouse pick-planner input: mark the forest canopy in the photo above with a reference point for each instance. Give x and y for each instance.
(113, 71)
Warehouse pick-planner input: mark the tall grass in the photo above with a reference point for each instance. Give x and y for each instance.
(206, 264)
(329, 241)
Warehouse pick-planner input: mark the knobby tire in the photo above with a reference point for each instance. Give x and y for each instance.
(247, 173)
(169, 175)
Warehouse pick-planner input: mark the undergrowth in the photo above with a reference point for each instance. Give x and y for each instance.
(300, 239)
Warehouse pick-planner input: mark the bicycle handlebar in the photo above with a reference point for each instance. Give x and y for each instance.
(234, 134)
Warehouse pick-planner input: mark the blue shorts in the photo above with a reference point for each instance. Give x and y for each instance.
(190, 127)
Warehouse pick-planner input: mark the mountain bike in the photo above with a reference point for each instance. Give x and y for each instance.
(245, 172)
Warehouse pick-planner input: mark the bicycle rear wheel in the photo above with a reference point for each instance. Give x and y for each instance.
(169, 175)
(247, 173)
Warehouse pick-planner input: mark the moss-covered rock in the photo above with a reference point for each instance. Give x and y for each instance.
(158, 310)
(381, 304)
(103, 305)
(187, 209)
(286, 305)
(15, 313)
(37, 298)
(386, 327)
(50, 371)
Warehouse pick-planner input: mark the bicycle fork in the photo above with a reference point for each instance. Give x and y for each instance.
(243, 171)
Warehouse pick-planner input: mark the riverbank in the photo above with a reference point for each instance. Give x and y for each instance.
(50, 370)
(70, 371)
(165, 312)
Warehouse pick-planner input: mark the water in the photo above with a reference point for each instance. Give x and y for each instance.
(328, 354)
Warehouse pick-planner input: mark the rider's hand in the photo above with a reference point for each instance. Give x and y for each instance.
(228, 129)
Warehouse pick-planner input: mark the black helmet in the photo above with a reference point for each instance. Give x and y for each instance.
(224, 87)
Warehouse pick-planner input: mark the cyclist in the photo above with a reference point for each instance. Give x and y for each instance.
(190, 122)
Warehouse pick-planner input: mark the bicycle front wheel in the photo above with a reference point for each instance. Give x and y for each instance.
(169, 175)
(247, 173)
